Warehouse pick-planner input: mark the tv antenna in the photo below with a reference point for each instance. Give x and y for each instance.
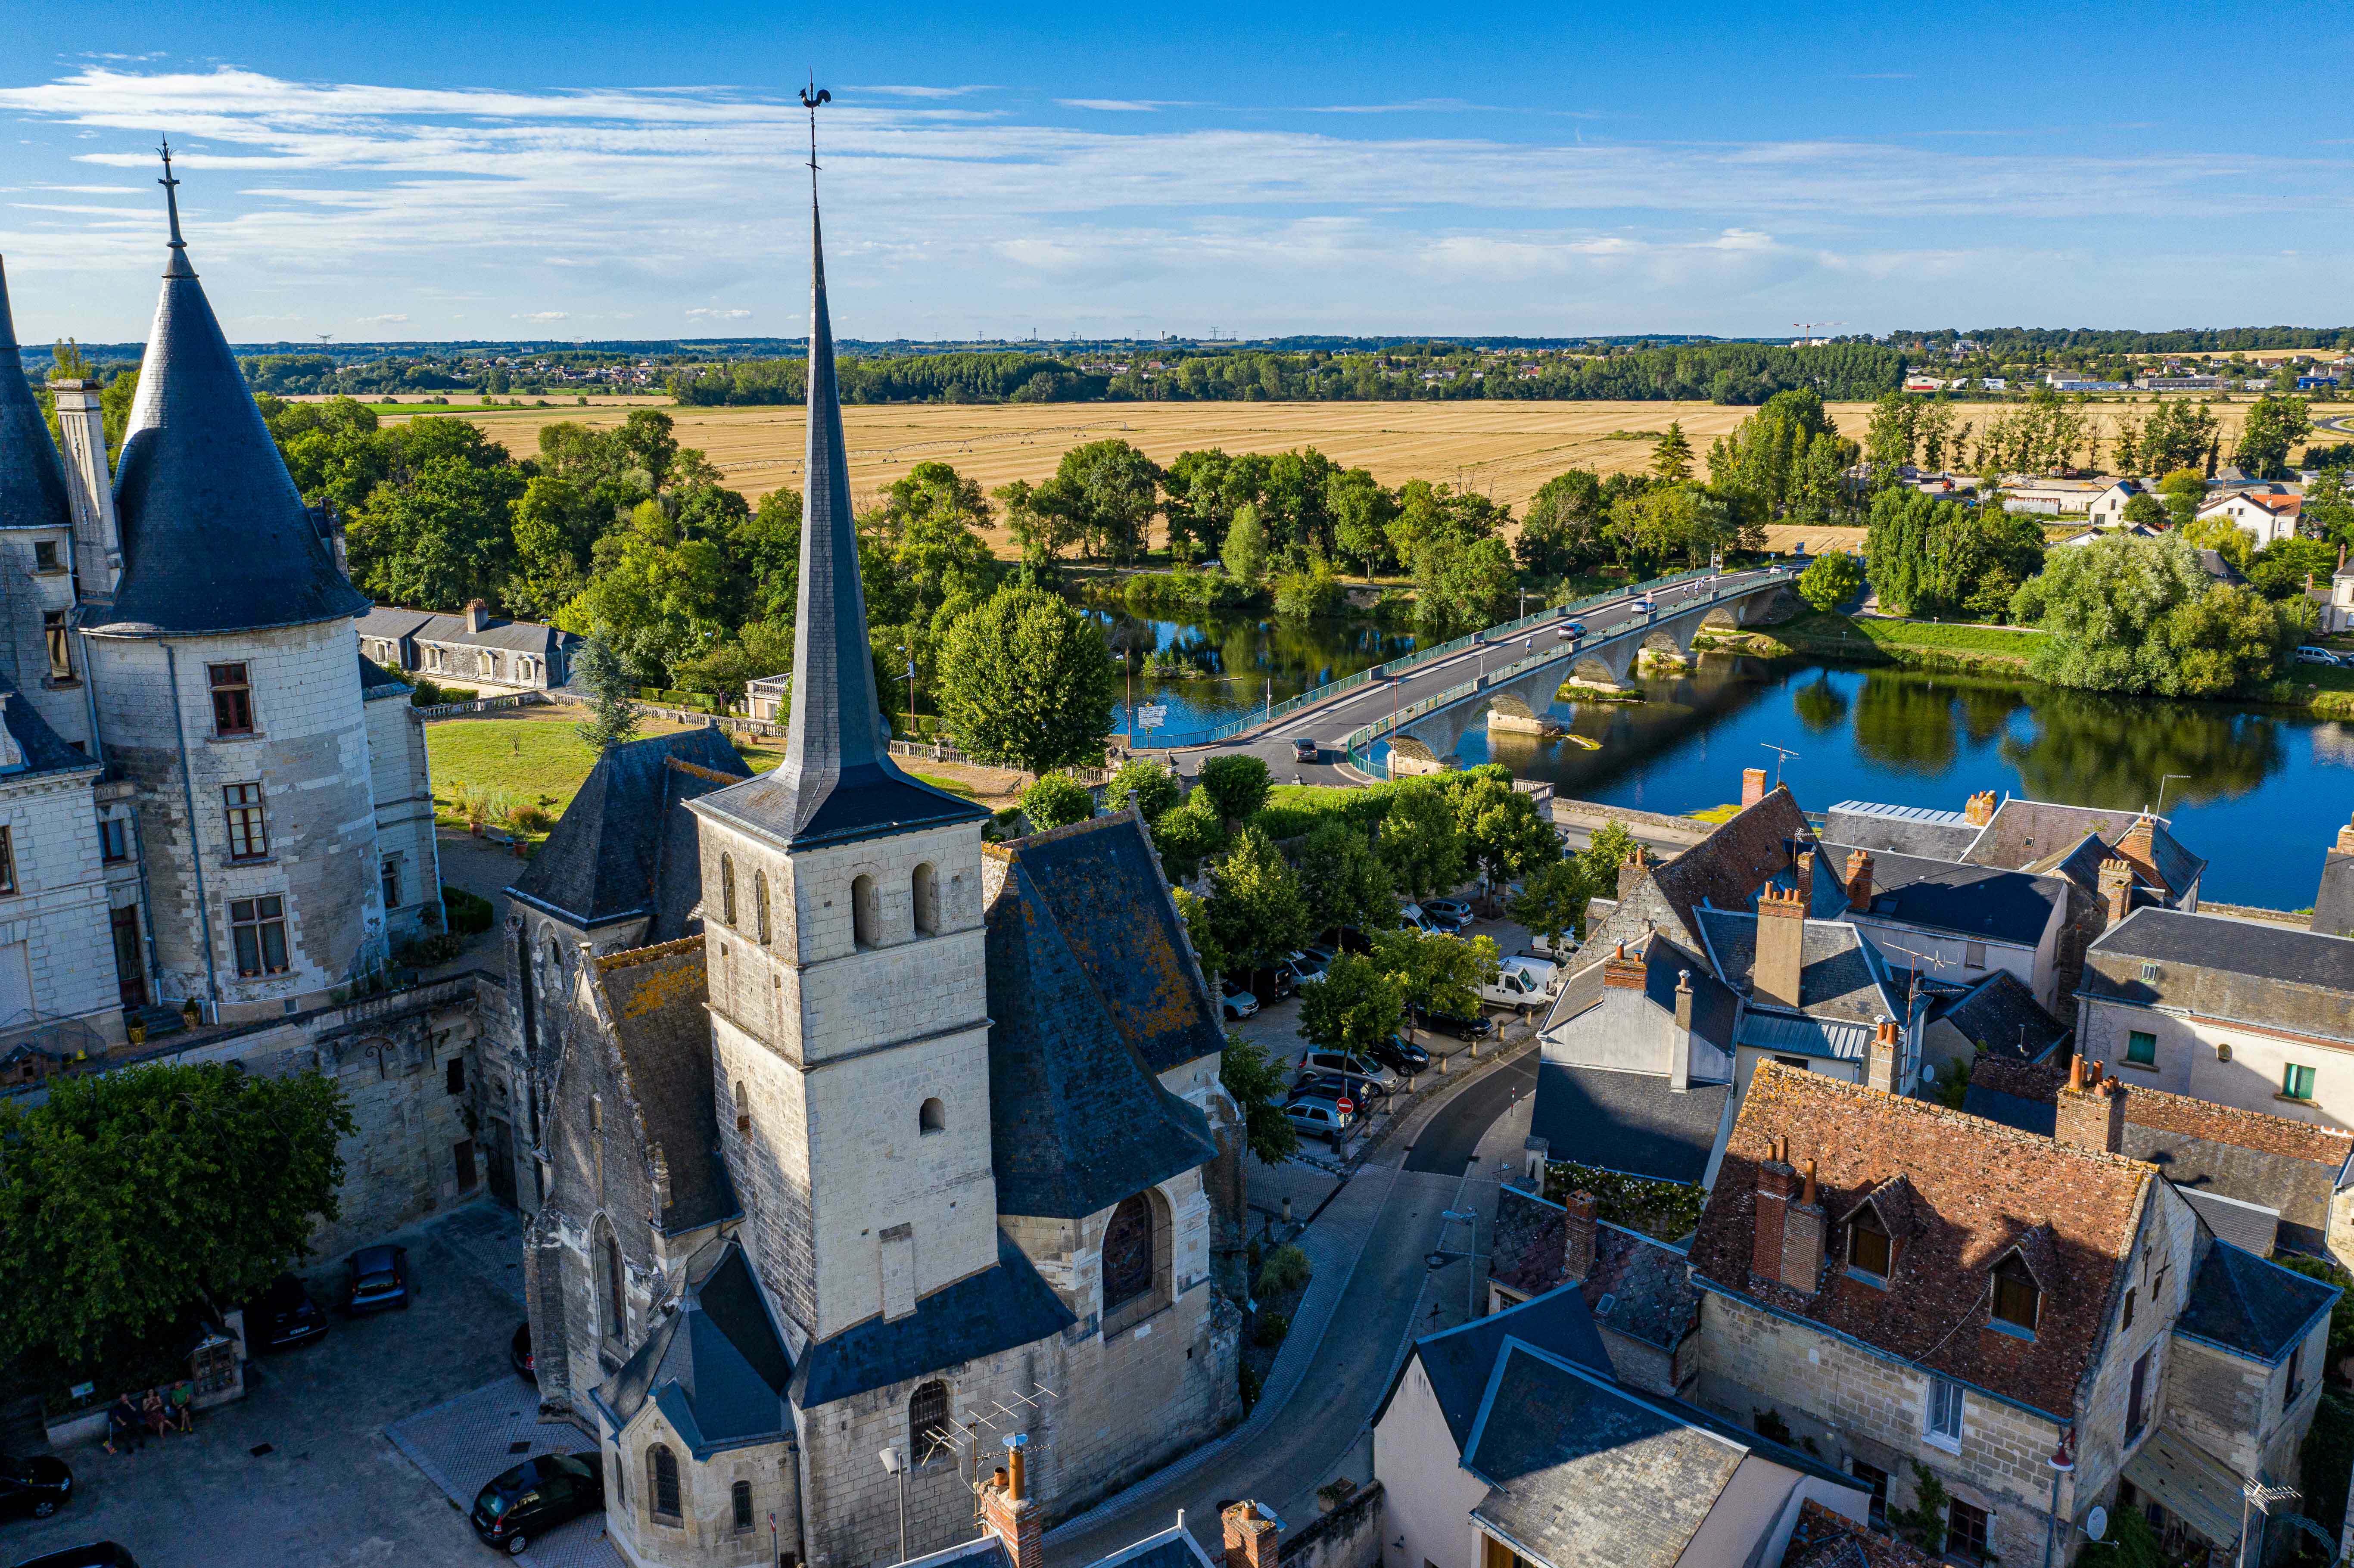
(1781, 754)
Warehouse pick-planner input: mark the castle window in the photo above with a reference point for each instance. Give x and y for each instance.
(232, 699)
(1128, 1253)
(616, 1303)
(929, 1432)
(248, 830)
(927, 900)
(391, 877)
(727, 890)
(663, 1469)
(257, 928)
(113, 839)
(45, 555)
(740, 1495)
(933, 1117)
(761, 905)
(7, 862)
(60, 641)
(865, 913)
(743, 1108)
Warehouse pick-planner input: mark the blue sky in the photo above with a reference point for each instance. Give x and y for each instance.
(435, 169)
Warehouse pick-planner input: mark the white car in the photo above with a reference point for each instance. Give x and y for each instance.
(1234, 1001)
(1521, 983)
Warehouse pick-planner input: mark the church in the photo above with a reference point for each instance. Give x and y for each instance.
(862, 1143)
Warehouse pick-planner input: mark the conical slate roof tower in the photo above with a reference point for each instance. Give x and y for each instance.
(215, 536)
(32, 480)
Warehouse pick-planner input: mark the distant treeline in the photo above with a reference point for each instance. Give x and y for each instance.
(2027, 344)
(1730, 372)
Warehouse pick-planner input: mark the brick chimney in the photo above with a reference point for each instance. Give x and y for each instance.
(1680, 1036)
(1577, 1235)
(2092, 1109)
(2345, 838)
(1859, 880)
(1802, 1238)
(1638, 866)
(1978, 809)
(1781, 942)
(1007, 1513)
(1777, 1185)
(1753, 787)
(1886, 1063)
(1254, 1536)
(2136, 845)
(2116, 889)
(1621, 971)
(1805, 865)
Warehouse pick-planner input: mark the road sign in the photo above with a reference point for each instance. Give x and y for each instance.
(1151, 715)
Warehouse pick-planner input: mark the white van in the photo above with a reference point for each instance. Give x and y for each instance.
(1521, 983)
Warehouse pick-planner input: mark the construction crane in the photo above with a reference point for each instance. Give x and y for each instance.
(1807, 329)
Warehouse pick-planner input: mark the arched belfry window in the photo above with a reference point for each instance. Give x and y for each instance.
(1128, 1253)
(929, 1435)
(865, 913)
(927, 899)
(933, 1117)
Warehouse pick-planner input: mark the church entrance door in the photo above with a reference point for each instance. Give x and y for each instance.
(502, 1162)
(129, 972)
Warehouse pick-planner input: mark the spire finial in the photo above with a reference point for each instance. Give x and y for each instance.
(172, 196)
(811, 96)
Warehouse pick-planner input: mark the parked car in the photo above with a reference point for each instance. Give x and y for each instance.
(283, 1316)
(376, 1280)
(96, 1555)
(519, 1354)
(2310, 655)
(35, 1487)
(1319, 1060)
(1363, 1094)
(1400, 1055)
(1543, 946)
(1315, 1115)
(1307, 969)
(1323, 953)
(1569, 629)
(1234, 1001)
(1412, 914)
(1521, 983)
(1351, 939)
(527, 1502)
(1451, 913)
(1305, 751)
(1272, 985)
(1477, 1026)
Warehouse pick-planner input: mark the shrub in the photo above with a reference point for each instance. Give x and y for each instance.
(424, 952)
(1150, 784)
(1287, 1268)
(529, 818)
(1056, 801)
(468, 915)
(424, 694)
(1303, 596)
(1271, 1328)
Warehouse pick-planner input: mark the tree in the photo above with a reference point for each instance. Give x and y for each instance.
(1343, 881)
(1237, 784)
(1671, 455)
(1024, 679)
(1057, 800)
(1246, 547)
(1551, 903)
(1436, 974)
(1604, 853)
(612, 709)
(2176, 435)
(1188, 834)
(656, 595)
(1420, 842)
(1786, 458)
(1502, 831)
(1562, 533)
(1046, 519)
(2140, 616)
(128, 1198)
(1354, 1006)
(1255, 1079)
(2328, 510)
(1149, 785)
(1831, 581)
(2282, 569)
(2146, 509)
(2184, 490)
(2274, 425)
(1118, 489)
(1257, 912)
(1361, 510)
(1891, 434)
(440, 530)
(1195, 912)
(1939, 558)
(1459, 588)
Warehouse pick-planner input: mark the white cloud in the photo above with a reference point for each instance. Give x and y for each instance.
(713, 312)
(1124, 105)
(545, 316)
(917, 92)
(389, 318)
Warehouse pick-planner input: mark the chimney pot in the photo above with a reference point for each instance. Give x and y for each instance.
(1807, 1194)
(2091, 1111)
(1979, 809)
(1254, 1536)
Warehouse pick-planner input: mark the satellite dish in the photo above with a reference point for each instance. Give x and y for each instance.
(2096, 1523)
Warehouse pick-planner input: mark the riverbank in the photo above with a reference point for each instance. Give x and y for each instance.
(1963, 649)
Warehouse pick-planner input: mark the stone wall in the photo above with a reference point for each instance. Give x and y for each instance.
(56, 949)
(703, 1533)
(1348, 1537)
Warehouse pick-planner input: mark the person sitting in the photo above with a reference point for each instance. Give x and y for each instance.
(122, 1423)
(180, 1404)
(151, 1410)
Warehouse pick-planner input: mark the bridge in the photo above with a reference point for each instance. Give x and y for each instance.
(1424, 704)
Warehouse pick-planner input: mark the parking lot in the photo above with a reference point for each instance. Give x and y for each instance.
(300, 1474)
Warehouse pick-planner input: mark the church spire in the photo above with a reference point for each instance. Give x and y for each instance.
(177, 266)
(32, 482)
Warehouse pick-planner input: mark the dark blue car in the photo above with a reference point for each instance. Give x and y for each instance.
(376, 1280)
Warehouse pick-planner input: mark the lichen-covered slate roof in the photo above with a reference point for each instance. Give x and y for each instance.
(2249, 1304)
(978, 1316)
(2000, 1016)
(1840, 974)
(1977, 1189)
(1630, 1122)
(717, 1367)
(1077, 1120)
(1102, 884)
(626, 846)
(1645, 1281)
(2244, 972)
(656, 998)
(32, 478)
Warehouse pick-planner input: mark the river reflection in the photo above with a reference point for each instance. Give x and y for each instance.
(1232, 664)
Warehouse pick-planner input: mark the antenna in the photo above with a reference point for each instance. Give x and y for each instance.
(1781, 754)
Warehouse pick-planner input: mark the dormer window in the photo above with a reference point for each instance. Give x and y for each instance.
(2017, 1297)
(1869, 1250)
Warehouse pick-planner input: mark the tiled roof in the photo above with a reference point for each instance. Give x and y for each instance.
(32, 478)
(716, 1366)
(1631, 1122)
(2000, 1016)
(626, 846)
(2245, 1304)
(1977, 1188)
(1986, 901)
(1822, 1539)
(1716, 1005)
(1525, 1253)
(656, 999)
(1645, 1284)
(1725, 870)
(2025, 832)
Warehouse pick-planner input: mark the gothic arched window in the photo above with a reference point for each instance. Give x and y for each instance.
(929, 1433)
(1128, 1252)
(661, 1465)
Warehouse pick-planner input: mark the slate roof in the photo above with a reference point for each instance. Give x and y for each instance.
(837, 781)
(32, 477)
(1630, 1122)
(656, 997)
(2251, 1307)
(1725, 869)
(626, 846)
(44, 750)
(375, 681)
(1716, 1005)
(1989, 902)
(2024, 833)
(1900, 830)
(1834, 1039)
(1999, 1014)
(1840, 975)
(2247, 972)
(392, 622)
(1102, 884)
(1461, 1362)
(978, 1316)
(2252, 1227)
(1644, 1280)
(215, 537)
(1078, 1121)
(715, 1365)
(1977, 1189)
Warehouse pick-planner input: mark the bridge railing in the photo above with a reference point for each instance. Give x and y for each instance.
(1503, 632)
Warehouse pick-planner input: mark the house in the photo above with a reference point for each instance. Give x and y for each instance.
(1924, 384)
(2267, 517)
(769, 698)
(2108, 508)
(1508, 1442)
(489, 653)
(2042, 1324)
(1957, 920)
(1998, 1017)
(1637, 1287)
(2136, 530)
(2335, 610)
(2051, 497)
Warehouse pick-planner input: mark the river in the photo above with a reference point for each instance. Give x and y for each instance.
(2261, 794)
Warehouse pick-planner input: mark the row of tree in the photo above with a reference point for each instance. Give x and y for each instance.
(2053, 433)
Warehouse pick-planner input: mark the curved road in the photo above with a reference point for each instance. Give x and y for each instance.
(1447, 1145)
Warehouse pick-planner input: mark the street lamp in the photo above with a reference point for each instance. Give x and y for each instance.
(896, 1463)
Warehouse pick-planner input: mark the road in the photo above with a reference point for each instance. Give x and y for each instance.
(1454, 1133)
(1331, 724)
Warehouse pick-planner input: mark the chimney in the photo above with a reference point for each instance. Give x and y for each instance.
(1679, 1037)
(1007, 1513)
(1753, 787)
(1805, 863)
(1622, 972)
(1776, 1183)
(478, 615)
(1631, 875)
(2345, 838)
(2116, 889)
(98, 535)
(1978, 810)
(1254, 1535)
(1859, 880)
(1781, 942)
(1577, 1236)
(1883, 1071)
(2092, 1109)
(2136, 845)
(1802, 1239)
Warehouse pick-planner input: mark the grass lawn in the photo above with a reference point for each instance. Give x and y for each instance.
(1960, 638)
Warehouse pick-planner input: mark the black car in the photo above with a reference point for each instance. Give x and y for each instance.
(97, 1555)
(519, 1354)
(282, 1315)
(35, 1487)
(1400, 1055)
(1363, 1092)
(1472, 1026)
(376, 1280)
(527, 1502)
